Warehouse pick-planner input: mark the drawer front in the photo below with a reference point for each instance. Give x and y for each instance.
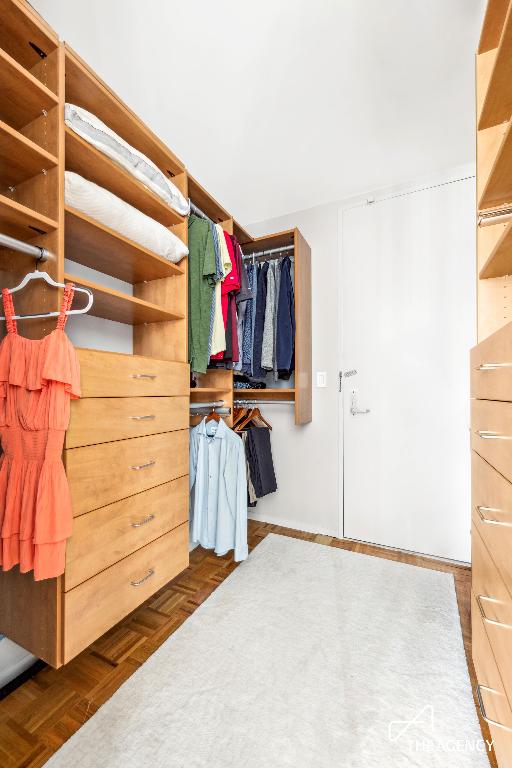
(495, 701)
(491, 366)
(96, 605)
(491, 433)
(101, 474)
(107, 535)
(492, 514)
(111, 374)
(103, 419)
(495, 606)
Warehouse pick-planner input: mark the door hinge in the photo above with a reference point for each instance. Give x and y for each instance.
(340, 380)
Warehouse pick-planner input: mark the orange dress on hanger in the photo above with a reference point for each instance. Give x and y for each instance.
(38, 378)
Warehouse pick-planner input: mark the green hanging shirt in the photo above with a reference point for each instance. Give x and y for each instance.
(201, 284)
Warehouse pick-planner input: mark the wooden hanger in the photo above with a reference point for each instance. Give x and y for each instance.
(213, 416)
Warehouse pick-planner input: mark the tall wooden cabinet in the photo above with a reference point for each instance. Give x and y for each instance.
(491, 384)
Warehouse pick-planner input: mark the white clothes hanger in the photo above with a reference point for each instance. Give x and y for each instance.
(40, 275)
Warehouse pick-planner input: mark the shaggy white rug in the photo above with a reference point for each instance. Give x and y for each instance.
(307, 656)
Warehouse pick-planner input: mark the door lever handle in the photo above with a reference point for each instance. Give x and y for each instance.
(354, 410)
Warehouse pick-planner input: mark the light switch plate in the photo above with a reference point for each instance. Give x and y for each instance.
(321, 378)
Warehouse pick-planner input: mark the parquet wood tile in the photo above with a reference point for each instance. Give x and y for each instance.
(45, 711)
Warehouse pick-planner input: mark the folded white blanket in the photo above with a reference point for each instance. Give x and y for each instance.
(101, 205)
(94, 131)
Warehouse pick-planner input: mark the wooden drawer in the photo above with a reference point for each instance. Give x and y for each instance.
(495, 605)
(491, 366)
(99, 603)
(103, 419)
(492, 692)
(491, 433)
(492, 514)
(101, 474)
(106, 535)
(112, 374)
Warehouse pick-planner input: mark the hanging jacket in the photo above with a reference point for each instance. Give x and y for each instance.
(285, 337)
(218, 488)
(261, 300)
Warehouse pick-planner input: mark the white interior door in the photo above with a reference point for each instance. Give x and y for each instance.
(408, 316)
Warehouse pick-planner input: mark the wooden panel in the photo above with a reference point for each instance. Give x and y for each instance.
(495, 701)
(495, 250)
(91, 243)
(497, 100)
(265, 394)
(89, 162)
(112, 594)
(113, 374)
(491, 366)
(30, 613)
(20, 158)
(205, 202)
(103, 419)
(491, 433)
(85, 89)
(495, 605)
(489, 142)
(20, 221)
(303, 339)
(491, 501)
(120, 307)
(484, 67)
(21, 25)
(22, 96)
(101, 474)
(493, 24)
(241, 234)
(107, 535)
(497, 188)
(277, 240)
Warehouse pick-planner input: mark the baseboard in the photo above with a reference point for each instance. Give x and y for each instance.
(294, 524)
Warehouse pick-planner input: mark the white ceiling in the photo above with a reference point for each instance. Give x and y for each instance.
(280, 106)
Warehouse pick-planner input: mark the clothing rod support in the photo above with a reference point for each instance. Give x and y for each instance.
(256, 254)
(216, 404)
(39, 253)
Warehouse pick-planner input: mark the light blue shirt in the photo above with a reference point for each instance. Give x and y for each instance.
(218, 489)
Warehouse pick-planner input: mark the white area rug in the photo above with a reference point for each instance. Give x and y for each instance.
(306, 656)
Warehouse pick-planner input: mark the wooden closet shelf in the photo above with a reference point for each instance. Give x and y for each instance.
(21, 25)
(92, 164)
(21, 158)
(492, 25)
(241, 234)
(85, 89)
(497, 102)
(209, 391)
(93, 244)
(206, 202)
(20, 221)
(267, 242)
(23, 97)
(114, 305)
(499, 261)
(262, 394)
(498, 190)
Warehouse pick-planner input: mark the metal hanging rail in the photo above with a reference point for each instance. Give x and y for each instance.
(37, 251)
(197, 211)
(257, 254)
(263, 402)
(498, 216)
(213, 404)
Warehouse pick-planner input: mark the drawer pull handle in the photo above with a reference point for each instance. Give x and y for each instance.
(146, 520)
(143, 375)
(149, 417)
(481, 608)
(479, 689)
(487, 434)
(485, 519)
(148, 464)
(148, 575)
(492, 366)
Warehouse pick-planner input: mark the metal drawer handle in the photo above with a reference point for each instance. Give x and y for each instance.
(148, 575)
(149, 417)
(149, 463)
(146, 520)
(143, 375)
(485, 519)
(481, 608)
(479, 689)
(492, 366)
(487, 434)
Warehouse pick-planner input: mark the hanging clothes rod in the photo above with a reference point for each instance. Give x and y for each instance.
(263, 402)
(39, 253)
(257, 254)
(204, 411)
(495, 217)
(197, 211)
(213, 404)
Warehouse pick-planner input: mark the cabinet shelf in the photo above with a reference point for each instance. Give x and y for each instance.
(21, 158)
(20, 221)
(264, 394)
(497, 189)
(93, 244)
(206, 202)
(21, 25)
(92, 164)
(23, 96)
(499, 261)
(206, 392)
(497, 101)
(114, 305)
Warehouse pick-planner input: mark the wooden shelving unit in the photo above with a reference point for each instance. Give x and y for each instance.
(21, 158)
(20, 221)
(206, 202)
(270, 393)
(23, 95)
(93, 244)
(496, 72)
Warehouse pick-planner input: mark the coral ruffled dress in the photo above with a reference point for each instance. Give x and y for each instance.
(38, 378)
